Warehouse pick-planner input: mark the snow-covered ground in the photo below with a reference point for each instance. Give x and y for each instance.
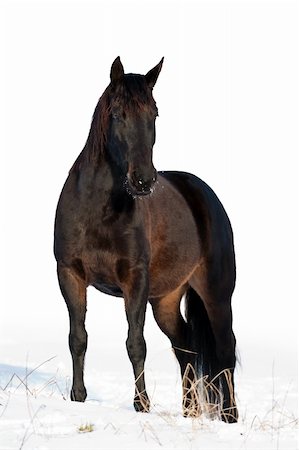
(36, 414)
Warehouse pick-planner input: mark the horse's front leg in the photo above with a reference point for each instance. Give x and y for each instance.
(74, 292)
(136, 295)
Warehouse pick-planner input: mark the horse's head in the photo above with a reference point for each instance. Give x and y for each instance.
(131, 135)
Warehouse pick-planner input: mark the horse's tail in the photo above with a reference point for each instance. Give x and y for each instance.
(200, 338)
(214, 384)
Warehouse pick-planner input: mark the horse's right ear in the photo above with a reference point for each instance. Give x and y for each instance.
(152, 76)
(117, 71)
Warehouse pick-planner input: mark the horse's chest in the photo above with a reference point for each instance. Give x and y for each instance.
(109, 254)
(100, 252)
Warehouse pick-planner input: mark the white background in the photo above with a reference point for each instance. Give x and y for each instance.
(228, 106)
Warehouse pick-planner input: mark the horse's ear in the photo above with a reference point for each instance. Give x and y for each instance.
(117, 70)
(152, 76)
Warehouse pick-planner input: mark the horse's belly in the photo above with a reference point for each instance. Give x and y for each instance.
(110, 289)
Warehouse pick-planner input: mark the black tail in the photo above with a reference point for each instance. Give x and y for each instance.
(200, 336)
(202, 342)
(215, 383)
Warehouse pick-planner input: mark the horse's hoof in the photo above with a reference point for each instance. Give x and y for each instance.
(230, 415)
(142, 403)
(78, 395)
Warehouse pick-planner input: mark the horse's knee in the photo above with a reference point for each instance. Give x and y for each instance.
(78, 342)
(136, 347)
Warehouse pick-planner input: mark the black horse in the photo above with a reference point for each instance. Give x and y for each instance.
(148, 237)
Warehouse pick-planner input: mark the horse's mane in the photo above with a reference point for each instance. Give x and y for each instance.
(133, 95)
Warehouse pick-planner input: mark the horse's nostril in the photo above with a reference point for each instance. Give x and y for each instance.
(137, 179)
(141, 180)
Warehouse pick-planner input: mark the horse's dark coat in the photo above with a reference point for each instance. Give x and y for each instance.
(133, 233)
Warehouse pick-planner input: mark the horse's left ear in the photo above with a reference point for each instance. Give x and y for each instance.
(152, 76)
(117, 70)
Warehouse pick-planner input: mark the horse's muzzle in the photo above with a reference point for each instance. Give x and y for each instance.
(141, 185)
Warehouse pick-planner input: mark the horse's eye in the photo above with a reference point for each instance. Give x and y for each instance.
(115, 116)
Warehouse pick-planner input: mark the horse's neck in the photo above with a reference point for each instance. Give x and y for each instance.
(101, 182)
(94, 178)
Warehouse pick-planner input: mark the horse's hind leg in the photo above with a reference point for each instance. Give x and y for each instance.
(168, 316)
(74, 292)
(221, 322)
(216, 297)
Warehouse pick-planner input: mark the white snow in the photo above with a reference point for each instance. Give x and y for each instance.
(38, 416)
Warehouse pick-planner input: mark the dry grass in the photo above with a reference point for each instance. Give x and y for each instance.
(204, 397)
(203, 393)
(86, 428)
